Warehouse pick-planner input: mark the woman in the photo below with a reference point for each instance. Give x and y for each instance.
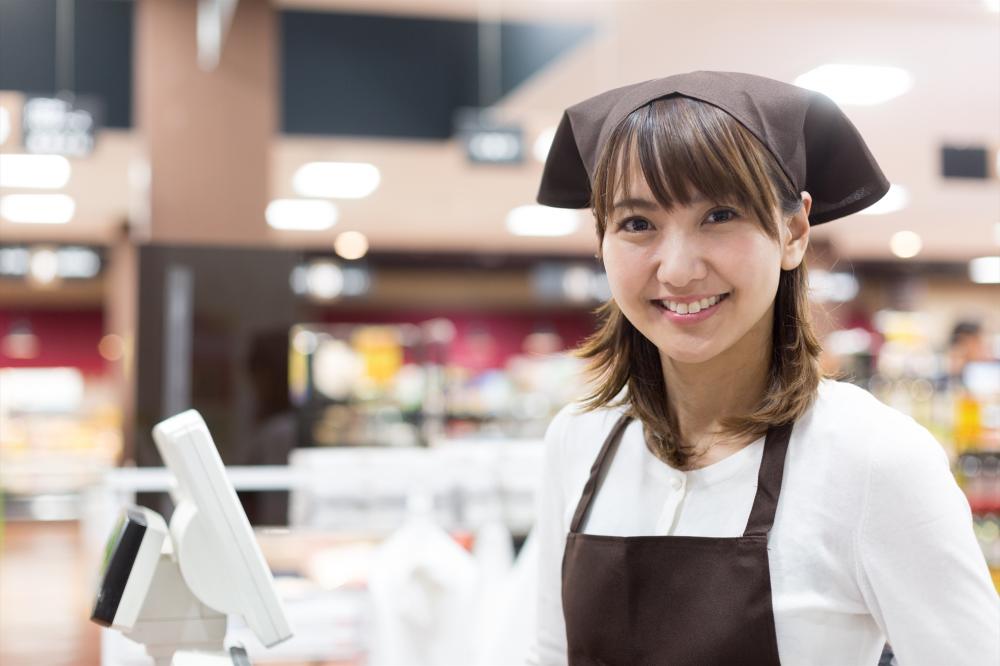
(715, 499)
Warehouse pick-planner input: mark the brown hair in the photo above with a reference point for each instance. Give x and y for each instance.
(684, 146)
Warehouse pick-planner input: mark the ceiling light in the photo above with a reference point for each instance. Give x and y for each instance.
(14, 261)
(992, 5)
(44, 266)
(895, 199)
(35, 171)
(543, 143)
(351, 245)
(4, 124)
(324, 280)
(37, 208)
(301, 214)
(576, 283)
(985, 270)
(336, 180)
(857, 84)
(542, 221)
(78, 262)
(905, 244)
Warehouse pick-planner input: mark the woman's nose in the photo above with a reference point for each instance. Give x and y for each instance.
(679, 261)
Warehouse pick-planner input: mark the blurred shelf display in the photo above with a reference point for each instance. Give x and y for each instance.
(405, 385)
(60, 430)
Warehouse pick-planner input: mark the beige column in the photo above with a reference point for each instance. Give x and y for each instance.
(121, 311)
(207, 134)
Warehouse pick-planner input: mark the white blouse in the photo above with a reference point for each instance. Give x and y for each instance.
(872, 539)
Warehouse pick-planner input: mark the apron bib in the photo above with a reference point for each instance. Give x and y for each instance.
(673, 600)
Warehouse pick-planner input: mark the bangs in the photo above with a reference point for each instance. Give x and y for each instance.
(683, 147)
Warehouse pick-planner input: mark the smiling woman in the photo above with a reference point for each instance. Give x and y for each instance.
(716, 500)
(675, 160)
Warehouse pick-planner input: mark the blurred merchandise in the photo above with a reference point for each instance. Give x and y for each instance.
(405, 384)
(60, 430)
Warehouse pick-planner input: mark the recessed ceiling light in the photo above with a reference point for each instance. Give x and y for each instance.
(543, 143)
(542, 221)
(576, 283)
(78, 262)
(905, 244)
(301, 214)
(985, 270)
(336, 180)
(44, 266)
(37, 208)
(34, 171)
(351, 245)
(895, 199)
(324, 280)
(857, 84)
(14, 260)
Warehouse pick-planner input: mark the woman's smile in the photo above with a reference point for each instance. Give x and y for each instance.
(690, 312)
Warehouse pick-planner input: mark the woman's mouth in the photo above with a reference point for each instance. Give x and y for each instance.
(692, 312)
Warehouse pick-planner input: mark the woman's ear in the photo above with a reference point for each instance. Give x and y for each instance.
(795, 238)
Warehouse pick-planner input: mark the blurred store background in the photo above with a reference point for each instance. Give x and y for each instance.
(313, 221)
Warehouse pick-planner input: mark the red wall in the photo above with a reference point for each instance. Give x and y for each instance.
(66, 338)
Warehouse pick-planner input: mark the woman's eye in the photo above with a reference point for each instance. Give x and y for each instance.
(727, 215)
(634, 224)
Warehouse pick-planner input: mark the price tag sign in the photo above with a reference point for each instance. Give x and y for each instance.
(487, 141)
(56, 126)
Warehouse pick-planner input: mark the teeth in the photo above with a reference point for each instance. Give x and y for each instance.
(691, 308)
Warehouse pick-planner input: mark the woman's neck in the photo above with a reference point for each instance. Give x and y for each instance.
(703, 395)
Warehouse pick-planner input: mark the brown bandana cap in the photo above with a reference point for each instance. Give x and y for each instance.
(814, 143)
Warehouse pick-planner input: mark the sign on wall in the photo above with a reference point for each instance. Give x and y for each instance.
(60, 126)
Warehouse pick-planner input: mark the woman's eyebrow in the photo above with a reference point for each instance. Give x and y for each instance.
(635, 204)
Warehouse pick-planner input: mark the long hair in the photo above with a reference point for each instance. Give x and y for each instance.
(685, 146)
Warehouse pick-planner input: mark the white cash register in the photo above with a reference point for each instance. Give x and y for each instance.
(171, 589)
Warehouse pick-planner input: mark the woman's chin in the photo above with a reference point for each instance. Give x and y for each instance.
(688, 355)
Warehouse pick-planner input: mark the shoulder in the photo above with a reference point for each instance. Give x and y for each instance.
(860, 431)
(852, 410)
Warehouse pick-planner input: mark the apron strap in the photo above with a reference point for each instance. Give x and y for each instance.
(597, 472)
(772, 468)
(765, 502)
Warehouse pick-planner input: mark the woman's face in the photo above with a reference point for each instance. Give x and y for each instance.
(709, 257)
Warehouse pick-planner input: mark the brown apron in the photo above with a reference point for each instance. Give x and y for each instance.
(673, 600)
